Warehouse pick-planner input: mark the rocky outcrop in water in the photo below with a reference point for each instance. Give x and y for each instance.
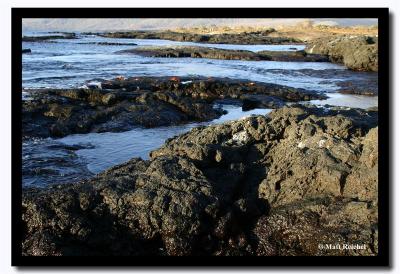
(108, 44)
(26, 50)
(248, 38)
(355, 52)
(293, 56)
(122, 104)
(46, 38)
(225, 54)
(276, 185)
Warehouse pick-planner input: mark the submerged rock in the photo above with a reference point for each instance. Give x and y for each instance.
(122, 104)
(367, 86)
(46, 161)
(355, 52)
(348, 82)
(242, 188)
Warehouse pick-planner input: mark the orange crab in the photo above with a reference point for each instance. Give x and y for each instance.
(175, 79)
(120, 78)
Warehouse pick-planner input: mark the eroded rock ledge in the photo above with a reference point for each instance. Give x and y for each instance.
(225, 54)
(122, 104)
(276, 185)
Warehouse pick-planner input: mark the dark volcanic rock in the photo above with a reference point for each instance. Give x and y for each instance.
(26, 50)
(248, 38)
(252, 101)
(355, 52)
(108, 44)
(225, 54)
(195, 52)
(293, 56)
(45, 38)
(368, 86)
(121, 104)
(276, 185)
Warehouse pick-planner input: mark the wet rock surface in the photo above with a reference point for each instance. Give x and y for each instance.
(224, 54)
(275, 185)
(26, 50)
(122, 104)
(247, 38)
(355, 52)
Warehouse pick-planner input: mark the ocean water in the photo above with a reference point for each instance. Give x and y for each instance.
(72, 63)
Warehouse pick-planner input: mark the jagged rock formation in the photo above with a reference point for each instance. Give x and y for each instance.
(276, 185)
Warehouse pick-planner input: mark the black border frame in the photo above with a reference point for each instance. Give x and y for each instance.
(382, 259)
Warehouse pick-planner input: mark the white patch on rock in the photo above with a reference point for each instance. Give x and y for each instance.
(301, 145)
(321, 143)
(186, 82)
(241, 137)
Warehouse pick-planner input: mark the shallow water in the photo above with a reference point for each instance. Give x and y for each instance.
(348, 100)
(112, 148)
(68, 63)
(47, 161)
(78, 156)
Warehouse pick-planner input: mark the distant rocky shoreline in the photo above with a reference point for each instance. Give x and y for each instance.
(246, 38)
(357, 52)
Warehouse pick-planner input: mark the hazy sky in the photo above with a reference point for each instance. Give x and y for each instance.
(92, 24)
